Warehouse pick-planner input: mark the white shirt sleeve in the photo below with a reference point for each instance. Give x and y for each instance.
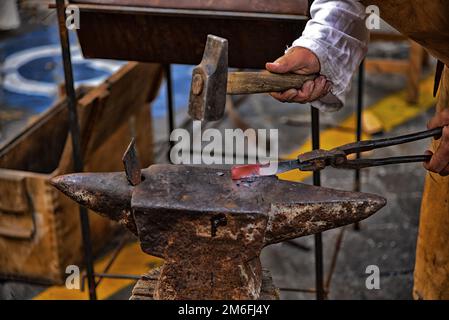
(337, 34)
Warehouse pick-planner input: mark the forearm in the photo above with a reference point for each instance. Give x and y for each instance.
(337, 34)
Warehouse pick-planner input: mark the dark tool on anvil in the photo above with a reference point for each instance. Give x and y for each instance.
(211, 82)
(210, 229)
(338, 157)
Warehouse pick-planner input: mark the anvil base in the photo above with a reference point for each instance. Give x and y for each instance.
(145, 287)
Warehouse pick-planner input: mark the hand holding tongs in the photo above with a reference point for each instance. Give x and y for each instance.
(338, 157)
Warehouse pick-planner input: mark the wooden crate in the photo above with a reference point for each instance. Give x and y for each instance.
(40, 232)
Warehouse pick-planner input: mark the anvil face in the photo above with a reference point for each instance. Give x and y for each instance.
(290, 209)
(211, 229)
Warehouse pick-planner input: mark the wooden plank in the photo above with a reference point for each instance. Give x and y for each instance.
(386, 66)
(109, 106)
(414, 72)
(26, 152)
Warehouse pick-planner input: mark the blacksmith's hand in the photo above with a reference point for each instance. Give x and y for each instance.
(439, 163)
(300, 61)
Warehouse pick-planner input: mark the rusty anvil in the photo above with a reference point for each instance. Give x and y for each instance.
(211, 82)
(210, 229)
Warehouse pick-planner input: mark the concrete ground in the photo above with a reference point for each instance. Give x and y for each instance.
(387, 240)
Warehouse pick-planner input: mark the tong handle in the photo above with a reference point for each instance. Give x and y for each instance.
(366, 163)
(369, 145)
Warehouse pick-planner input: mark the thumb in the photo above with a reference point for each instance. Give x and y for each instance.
(284, 64)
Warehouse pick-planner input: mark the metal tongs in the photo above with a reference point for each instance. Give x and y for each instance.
(338, 157)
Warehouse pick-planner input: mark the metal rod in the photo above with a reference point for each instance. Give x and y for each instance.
(297, 245)
(320, 295)
(115, 254)
(118, 276)
(360, 92)
(170, 106)
(367, 163)
(75, 135)
(334, 259)
(112, 276)
(368, 145)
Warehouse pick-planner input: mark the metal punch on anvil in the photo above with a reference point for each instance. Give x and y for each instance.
(208, 228)
(211, 82)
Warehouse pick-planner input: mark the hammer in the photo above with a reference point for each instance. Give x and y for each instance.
(211, 82)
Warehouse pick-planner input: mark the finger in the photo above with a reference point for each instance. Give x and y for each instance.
(440, 159)
(276, 95)
(426, 163)
(445, 172)
(298, 60)
(439, 120)
(284, 64)
(303, 95)
(318, 90)
(285, 96)
(327, 89)
(291, 96)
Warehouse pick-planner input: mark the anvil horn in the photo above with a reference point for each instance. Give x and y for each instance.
(106, 193)
(322, 209)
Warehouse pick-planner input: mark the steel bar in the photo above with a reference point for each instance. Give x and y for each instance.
(367, 163)
(360, 92)
(118, 276)
(334, 259)
(438, 74)
(114, 256)
(170, 106)
(112, 276)
(317, 182)
(75, 136)
(368, 145)
(297, 245)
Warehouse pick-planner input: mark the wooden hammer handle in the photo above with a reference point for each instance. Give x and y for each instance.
(261, 82)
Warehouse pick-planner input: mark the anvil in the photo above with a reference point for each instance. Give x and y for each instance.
(210, 229)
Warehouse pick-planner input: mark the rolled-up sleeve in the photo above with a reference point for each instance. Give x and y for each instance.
(337, 34)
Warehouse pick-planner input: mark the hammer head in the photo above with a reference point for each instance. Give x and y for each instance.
(209, 82)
